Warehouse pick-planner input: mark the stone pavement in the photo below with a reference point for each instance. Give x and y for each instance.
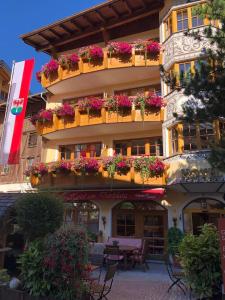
(150, 285)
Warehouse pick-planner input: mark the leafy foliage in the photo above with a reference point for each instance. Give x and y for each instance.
(32, 270)
(175, 236)
(39, 214)
(200, 258)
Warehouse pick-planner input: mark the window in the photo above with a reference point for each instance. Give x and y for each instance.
(168, 27)
(196, 20)
(88, 150)
(182, 20)
(137, 147)
(139, 90)
(189, 133)
(32, 140)
(125, 224)
(184, 69)
(66, 152)
(174, 140)
(207, 135)
(30, 161)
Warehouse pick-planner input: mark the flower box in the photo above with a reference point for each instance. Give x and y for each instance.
(70, 72)
(51, 79)
(66, 122)
(64, 179)
(148, 116)
(148, 181)
(142, 59)
(127, 177)
(120, 117)
(90, 119)
(92, 65)
(47, 127)
(119, 60)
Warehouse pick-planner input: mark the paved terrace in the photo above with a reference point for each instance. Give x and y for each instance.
(139, 285)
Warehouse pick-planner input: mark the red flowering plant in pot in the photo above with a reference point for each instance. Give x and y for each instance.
(153, 102)
(149, 48)
(124, 104)
(37, 170)
(65, 111)
(122, 165)
(69, 61)
(83, 105)
(34, 119)
(148, 166)
(45, 116)
(61, 167)
(85, 165)
(95, 105)
(119, 49)
(92, 54)
(50, 69)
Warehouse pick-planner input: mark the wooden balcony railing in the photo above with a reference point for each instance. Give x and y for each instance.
(68, 179)
(105, 117)
(137, 59)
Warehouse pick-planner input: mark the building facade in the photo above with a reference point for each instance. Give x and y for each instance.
(123, 110)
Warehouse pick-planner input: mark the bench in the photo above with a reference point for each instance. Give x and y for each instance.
(137, 243)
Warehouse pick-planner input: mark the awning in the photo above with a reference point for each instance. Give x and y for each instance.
(122, 195)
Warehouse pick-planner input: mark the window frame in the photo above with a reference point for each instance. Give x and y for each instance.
(32, 145)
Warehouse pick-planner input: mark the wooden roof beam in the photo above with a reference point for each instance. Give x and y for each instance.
(127, 6)
(77, 27)
(114, 11)
(87, 20)
(66, 29)
(45, 38)
(55, 33)
(100, 16)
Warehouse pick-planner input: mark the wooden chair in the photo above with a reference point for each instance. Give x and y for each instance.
(176, 275)
(140, 256)
(112, 254)
(102, 290)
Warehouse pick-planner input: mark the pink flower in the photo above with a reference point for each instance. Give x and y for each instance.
(91, 165)
(157, 168)
(153, 48)
(154, 101)
(45, 115)
(122, 48)
(50, 68)
(65, 110)
(96, 103)
(96, 52)
(73, 59)
(123, 101)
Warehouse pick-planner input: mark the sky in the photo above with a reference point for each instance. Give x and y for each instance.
(22, 16)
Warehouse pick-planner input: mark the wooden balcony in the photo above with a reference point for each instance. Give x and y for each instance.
(108, 71)
(99, 180)
(106, 118)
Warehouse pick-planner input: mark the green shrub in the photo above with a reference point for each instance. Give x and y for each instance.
(175, 236)
(39, 214)
(31, 265)
(56, 266)
(200, 258)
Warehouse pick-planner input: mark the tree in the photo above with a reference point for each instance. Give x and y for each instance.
(39, 214)
(206, 85)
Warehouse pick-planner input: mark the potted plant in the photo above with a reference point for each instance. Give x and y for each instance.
(119, 54)
(65, 114)
(92, 58)
(69, 65)
(50, 70)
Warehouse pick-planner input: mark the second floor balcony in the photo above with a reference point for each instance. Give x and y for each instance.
(129, 113)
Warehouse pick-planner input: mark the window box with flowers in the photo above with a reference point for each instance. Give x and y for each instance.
(148, 170)
(36, 173)
(119, 109)
(51, 72)
(86, 166)
(148, 107)
(66, 116)
(117, 167)
(62, 174)
(119, 54)
(147, 52)
(91, 110)
(69, 65)
(45, 121)
(92, 58)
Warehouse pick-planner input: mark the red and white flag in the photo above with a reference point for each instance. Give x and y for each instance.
(15, 112)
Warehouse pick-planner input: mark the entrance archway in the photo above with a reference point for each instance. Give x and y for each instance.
(142, 219)
(84, 214)
(201, 211)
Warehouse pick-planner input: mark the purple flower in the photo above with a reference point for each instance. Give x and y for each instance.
(91, 165)
(96, 52)
(154, 101)
(157, 168)
(73, 59)
(45, 115)
(153, 48)
(96, 103)
(50, 68)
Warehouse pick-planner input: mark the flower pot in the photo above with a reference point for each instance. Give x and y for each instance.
(92, 65)
(70, 72)
(147, 116)
(66, 122)
(145, 59)
(119, 61)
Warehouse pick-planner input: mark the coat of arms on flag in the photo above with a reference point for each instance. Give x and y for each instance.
(17, 106)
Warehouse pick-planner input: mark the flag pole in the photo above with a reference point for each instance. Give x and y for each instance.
(7, 106)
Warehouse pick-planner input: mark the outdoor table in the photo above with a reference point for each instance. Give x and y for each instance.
(125, 251)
